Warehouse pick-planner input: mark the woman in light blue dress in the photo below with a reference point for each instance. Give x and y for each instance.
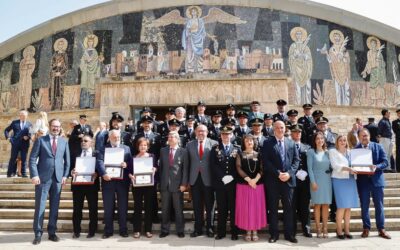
(320, 181)
(344, 186)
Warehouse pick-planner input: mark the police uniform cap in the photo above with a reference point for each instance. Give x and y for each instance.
(146, 109)
(292, 112)
(117, 116)
(307, 106)
(82, 116)
(268, 116)
(321, 120)
(242, 114)
(227, 121)
(226, 130)
(191, 118)
(175, 122)
(317, 113)
(217, 113)
(171, 111)
(146, 118)
(255, 103)
(256, 121)
(296, 128)
(230, 106)
(281, 102)
(201, 103)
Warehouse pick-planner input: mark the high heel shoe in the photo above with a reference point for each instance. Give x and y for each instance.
(255, 236)
(248, 236)
(340, 236)
(325, 233)
(318, 232)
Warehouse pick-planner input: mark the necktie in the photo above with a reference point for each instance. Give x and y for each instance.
(298, 147)
(282, 150)
(171, 157)
(22, 125)
(146, 136)
(54, 146)
(84, 153)
(190, 131)
(243, 131)
(226, 149)
(201, 150)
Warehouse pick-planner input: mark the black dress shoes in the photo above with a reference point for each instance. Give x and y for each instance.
(163, 234)
(181, 235)
(124, 235)
(340, 236)
(292, 239)
(272, 239)
(210, 233)
(106, 236)
(219, 237)
(307, 234)
(90, 235)
(54, 238)
(37, 240)
(234, 237)
(195, 234)
(76, 235)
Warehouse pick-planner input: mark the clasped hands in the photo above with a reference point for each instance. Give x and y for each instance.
(284, 176)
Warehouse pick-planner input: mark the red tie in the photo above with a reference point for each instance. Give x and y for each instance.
(201, 150)
(54, 146)
(171, 157)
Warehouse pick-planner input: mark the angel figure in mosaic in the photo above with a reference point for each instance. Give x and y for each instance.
(376, 68)
(90, 68)
(194, 31)
(59, 69)
(301, 64)
(339, 63)
(26, 68)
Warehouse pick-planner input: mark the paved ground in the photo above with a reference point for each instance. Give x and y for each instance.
(12, 240)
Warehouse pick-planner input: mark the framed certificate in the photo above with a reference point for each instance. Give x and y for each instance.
(361, 160)
(143, 171)
(113, 157)
(85, 168)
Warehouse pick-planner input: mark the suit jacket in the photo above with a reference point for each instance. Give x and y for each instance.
(127, 158)
(222, 164)
(273, 164)
(48, 163)
(213, 132)
(96, 185)
(197, 165)
(279, 117)
(379, 159)
(18, 133)
(206, 120)
(373, 130)
(155, 143)
(74, 140)
(99, 140)
(268, 133)
(172, 177)
(259, 142)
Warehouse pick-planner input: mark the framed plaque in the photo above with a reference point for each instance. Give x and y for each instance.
(361, 160)
(85, 169)
(143, 172)
(113, 157)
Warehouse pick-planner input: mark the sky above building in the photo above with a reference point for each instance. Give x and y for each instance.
(19, 16)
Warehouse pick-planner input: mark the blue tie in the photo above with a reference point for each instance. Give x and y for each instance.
(226, 149)
(281, 151)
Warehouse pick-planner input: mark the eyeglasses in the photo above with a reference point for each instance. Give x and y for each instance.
(85, 141)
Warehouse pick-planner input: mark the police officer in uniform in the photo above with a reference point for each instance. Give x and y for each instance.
(174, 126)
(201, 117)
(292, 117)
(188, 129)
(229, 122)
(163, 129)
(242, 129)
(215, 126)
(154, 138)
(373, 129)
(224, 175)
(268, 129)
(396, 130)
(256, 127)
(307, 121)
(302, 190)
(280, 116)
(146, 111)
(230, 113)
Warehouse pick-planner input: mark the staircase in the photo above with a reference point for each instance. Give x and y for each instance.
(17, 208)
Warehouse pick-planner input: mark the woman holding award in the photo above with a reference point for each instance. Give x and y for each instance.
(344, 186)
(320, 180)
(143, 190)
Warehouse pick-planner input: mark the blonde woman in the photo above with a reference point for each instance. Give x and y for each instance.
(41, 127)
(344, 186)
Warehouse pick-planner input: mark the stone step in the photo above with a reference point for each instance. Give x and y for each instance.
(66, 214)
(22, 225)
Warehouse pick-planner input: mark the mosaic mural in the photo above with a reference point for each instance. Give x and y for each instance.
(328, 64)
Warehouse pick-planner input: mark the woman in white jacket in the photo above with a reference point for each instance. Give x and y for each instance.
(344, 186)
(40, 128)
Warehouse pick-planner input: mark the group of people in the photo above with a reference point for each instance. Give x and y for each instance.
(239, 164)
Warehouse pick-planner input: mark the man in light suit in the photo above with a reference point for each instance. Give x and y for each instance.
(372, 185)
(112, 188)
(99, 137)
(174, 168)
(48, 173)
(280, 160)
(200, 181)
(19, 143)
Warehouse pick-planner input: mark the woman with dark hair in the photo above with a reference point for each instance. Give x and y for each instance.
(250, 198)
(344, 186)
(320, 181)
(143, 194)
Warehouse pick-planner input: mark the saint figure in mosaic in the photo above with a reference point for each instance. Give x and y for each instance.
(26, 68)
(59, 68)
(301, 64)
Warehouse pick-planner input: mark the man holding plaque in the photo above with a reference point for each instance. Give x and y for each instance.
(113, 169)
(174, 171)
(49, 169)
(82, 188)
(372, 185)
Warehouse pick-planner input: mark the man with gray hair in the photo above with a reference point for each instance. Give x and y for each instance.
(180, 114)
(19, 143)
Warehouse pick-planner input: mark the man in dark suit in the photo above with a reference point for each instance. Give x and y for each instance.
(281, 161)
(230, 113)
(188, 129)
(79, 192)
(147, 132)
(19, 143)
(396, 130)
(242, 129)
(201, 117)
(214, 129)
(200, 180)
(281, 115)
(112, 188)
(373, 130)
(163, 129)
(146, 111)
(174, 172)
(75, 139)
(49, 164)
(224, 175)
(372, 185)
(268, 129)
(99, 137)
(302, 190)
(307, 121)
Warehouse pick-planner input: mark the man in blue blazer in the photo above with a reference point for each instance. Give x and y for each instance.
(49, 169)
(19, 143)
(280, 160)
(372, 185)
